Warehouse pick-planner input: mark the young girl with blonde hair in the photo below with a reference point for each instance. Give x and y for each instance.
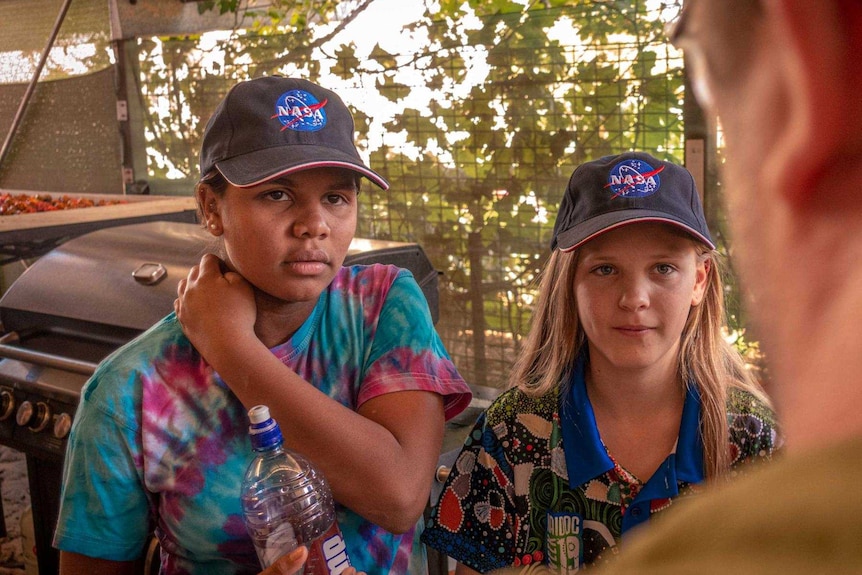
(625, 397)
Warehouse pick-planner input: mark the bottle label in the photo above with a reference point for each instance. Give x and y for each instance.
(327, 555)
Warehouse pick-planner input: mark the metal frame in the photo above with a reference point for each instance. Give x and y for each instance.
(31, 87)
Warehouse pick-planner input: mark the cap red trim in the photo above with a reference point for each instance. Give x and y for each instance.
(680, 225)
(371, 175)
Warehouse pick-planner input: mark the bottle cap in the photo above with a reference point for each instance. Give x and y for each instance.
(264, 430)
(258, 414)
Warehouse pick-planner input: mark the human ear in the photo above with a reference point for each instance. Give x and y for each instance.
(819, 44)
(701, 279)
(209, 203)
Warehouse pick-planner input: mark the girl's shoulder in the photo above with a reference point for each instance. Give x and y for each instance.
(744, 404)
(161, 353)
(515, 403)
(752, 426)
(373, 285)
(164, 338)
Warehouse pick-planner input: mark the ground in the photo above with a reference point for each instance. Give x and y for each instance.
(16, 498)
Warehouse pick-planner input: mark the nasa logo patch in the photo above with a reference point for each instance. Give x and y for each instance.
(300, 111)
(634, 178)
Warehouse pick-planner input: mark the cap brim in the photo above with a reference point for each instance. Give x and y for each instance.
(263, 165)
(577, 236)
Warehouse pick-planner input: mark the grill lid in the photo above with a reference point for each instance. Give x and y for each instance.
(119, 281)
(124, 276)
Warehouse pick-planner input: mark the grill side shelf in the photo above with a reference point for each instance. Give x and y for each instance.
(25, 236)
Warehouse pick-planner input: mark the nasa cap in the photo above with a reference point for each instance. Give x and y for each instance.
(633, 187)
(272, 126)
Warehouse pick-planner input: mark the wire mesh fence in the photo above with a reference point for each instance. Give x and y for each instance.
(483, 207)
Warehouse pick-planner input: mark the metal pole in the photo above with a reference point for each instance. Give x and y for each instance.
(19, 115)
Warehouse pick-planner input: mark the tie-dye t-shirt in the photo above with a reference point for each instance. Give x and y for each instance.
(160, 442)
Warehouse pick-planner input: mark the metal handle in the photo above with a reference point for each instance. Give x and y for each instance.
(41, 358)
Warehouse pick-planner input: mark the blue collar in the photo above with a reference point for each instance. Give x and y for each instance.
(586, 457)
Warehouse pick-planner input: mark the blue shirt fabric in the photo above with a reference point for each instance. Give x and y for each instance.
(535, 484)
(587, 457)
(160, 442)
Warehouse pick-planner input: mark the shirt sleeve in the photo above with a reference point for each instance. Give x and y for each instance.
(104, 510)
(407, 353)
(475, 519)
(754, 436)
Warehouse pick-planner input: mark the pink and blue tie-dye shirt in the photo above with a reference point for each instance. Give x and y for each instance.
(160, 442)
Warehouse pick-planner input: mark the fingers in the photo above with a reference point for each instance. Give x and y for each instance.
(210, 264)
(292, 563)
(288, 564)
(234, 278)
(181, 289)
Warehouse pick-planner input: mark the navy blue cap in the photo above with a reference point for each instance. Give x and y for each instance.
(273, 126)
(614, 191)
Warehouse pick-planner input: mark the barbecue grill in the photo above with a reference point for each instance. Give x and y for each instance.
(83, 300)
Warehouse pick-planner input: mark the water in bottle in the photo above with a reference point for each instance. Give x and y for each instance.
(287, 503)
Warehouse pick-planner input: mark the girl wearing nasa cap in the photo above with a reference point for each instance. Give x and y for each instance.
(625, 396)
(346, 358)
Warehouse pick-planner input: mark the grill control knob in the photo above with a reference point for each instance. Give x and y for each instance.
(35, 418)
(7, 404)
(25, 414)
(62, 425)
(43, 417)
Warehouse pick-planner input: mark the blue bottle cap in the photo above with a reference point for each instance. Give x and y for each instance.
(264, 430)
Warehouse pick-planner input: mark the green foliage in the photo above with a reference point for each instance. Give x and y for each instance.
(750, 351)
(223, 6)
(280, 15)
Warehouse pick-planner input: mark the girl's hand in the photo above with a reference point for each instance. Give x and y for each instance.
(214, 306)
(291, 564)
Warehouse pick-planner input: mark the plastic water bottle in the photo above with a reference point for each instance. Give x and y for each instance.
(287, 503)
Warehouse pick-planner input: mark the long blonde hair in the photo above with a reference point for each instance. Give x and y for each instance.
(556, 338)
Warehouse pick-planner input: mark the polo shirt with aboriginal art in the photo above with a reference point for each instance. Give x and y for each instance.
(534, 483)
